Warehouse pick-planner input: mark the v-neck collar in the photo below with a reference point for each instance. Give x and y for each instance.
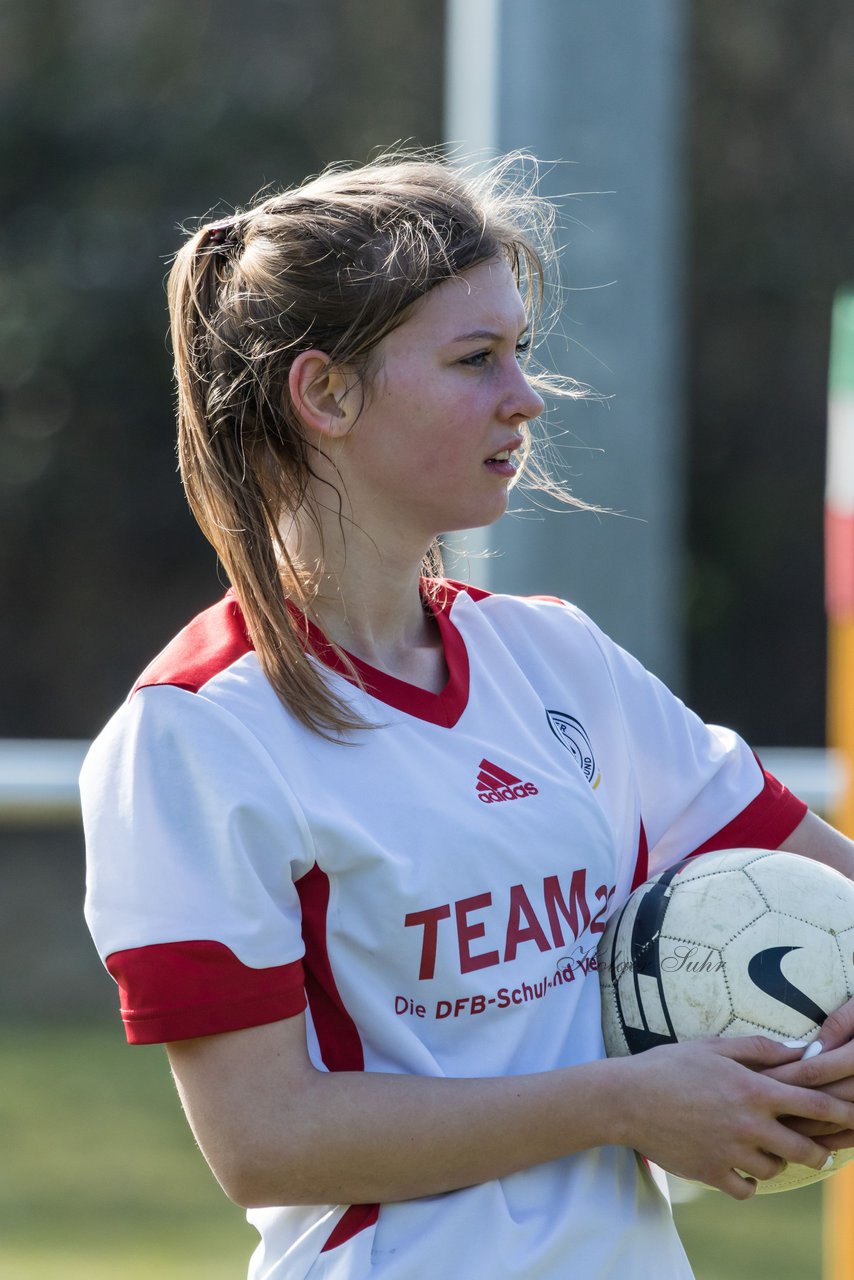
(442, 708)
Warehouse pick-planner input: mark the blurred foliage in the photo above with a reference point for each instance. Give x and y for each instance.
(120, 120)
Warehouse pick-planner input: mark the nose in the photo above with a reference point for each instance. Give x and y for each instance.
(522, 402)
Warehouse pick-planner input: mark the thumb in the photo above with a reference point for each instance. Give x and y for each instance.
(838, 1028)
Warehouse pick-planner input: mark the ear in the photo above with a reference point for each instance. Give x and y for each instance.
(321, 394)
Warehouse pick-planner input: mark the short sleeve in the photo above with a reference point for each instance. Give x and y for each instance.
(193, 844)
(700, 787)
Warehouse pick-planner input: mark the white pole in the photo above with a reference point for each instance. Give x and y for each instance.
(471, 75)
(471, 127)
(597, 83)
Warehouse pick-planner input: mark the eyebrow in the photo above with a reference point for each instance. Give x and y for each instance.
(487, 335)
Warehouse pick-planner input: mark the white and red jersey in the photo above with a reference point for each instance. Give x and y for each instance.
(431, 892)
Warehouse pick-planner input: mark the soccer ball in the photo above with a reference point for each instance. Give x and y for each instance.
(730, 944)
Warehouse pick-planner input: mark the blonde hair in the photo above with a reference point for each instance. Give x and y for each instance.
(334, 264)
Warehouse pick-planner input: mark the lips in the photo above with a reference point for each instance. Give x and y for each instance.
(503, 455)
(502, 464)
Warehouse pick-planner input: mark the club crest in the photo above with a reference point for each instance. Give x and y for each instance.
(572, 735)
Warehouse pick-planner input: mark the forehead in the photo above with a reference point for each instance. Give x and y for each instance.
(484, 298)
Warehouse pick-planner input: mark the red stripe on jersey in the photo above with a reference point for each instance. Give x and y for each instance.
(764, 824)
(641, 861)
(340, 1045)
(337, 1035)
(209, 644)
(179, 990)
(357, 1218)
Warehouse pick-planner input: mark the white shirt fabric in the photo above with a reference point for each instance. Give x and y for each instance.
(431, 892)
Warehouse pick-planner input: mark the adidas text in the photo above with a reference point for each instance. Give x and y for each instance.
(508, 793)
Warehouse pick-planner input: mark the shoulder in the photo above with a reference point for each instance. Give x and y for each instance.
(555, 642)
(207, 646)
(178, 708)
(448, 594)
(537, 618)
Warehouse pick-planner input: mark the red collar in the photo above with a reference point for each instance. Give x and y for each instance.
(443, 708)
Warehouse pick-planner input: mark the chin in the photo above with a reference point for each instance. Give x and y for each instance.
(481, 521)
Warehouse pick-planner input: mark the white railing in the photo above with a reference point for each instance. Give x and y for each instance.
(38, 778)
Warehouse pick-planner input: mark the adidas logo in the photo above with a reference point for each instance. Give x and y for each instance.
(495, 784)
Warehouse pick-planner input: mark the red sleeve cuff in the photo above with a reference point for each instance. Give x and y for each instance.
(764, 824)
(179, 990)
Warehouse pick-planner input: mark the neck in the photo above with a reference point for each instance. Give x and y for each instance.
(365, 598)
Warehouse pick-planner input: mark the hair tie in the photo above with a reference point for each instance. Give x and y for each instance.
(224, 236)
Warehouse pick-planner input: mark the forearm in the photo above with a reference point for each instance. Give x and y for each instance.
(277, 1131)
(389, 1137)
(354, 1137)
(816, 839)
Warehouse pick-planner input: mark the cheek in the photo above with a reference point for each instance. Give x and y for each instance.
(429, 423)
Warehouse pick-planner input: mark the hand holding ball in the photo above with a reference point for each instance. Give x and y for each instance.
(730, 944)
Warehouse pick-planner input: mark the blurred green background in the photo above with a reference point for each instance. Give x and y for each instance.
(106, 1184)
(100, 1178)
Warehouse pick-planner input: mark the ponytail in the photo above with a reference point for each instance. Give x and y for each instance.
(335, 265)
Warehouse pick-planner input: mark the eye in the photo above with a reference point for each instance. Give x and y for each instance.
(478, 360)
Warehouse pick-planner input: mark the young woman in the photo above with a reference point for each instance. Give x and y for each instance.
(354, 836)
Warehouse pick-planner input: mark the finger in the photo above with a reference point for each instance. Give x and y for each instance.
(842, 1140)
(812, 1128)
(796, 1148)
(841, 1088)
(758, 1051)
(788, 1073)
(830, 1066)
(736, 1185)
(838, 1027)
(762, 1166)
